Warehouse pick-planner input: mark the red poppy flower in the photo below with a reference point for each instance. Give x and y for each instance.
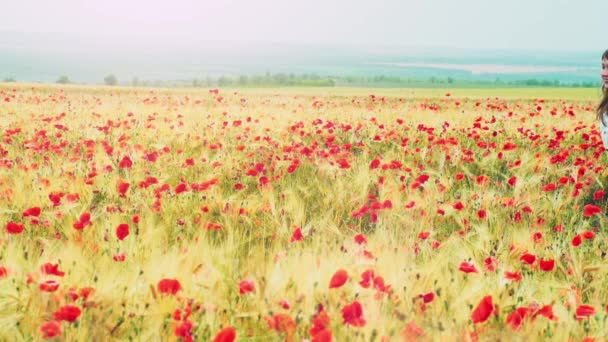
(292, 168)
(55, 197)
(513, 276)
(34, 211)
(577, 240)
(467, 267)
(343, 163)
(422, 179)
(491, 264)
(458, 206)
(320, 324)
(360, 239)
(169, 286)
(122, 231)
(85, 292)
(50, 329)
(424, 235)
(547, 265)
(14, 228)
(547, 311)
(68, 313)
(549, 187)
(591, 210)
(246, 286)
(588, 235)
(528, 258)
(387, 204)
(367, 277)
(49, 286)
(227, 334)
(598, 195)
(264, 181)
(516, 318)
(482, 179)
(122, 187)
(584, 311)
(374, 164)
(484, 309)
(297, 235)
(338, 279)
(151, 157)
(427, 297)
(181, 187)
(380, 285)
(125, 163)
(353, 314)
(119, 257)
(83, 221)
(323, 336)
(184, 330)
(52, 269)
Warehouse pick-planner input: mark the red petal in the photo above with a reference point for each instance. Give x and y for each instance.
(339, 278)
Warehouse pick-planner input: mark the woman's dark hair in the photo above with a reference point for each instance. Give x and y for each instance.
(603, 106)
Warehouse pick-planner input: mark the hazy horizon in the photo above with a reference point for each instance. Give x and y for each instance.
(44, 57)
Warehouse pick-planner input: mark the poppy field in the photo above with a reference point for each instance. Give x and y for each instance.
(139, 214)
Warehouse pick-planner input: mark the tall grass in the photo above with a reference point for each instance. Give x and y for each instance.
(212, 239)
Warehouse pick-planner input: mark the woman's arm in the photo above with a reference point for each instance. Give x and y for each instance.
(604, 132)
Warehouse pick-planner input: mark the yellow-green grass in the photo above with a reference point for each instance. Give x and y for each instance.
(319, 197)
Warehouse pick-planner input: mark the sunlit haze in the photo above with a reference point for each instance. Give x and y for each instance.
(186, 39)
(517, 24)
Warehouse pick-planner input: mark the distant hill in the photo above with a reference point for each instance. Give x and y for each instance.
(43, 57)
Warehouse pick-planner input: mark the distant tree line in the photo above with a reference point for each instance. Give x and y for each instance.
(268, 79)
(315, 80)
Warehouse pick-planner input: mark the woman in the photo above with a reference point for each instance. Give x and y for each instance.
(602, 108)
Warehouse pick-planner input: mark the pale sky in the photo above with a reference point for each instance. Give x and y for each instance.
(512, 24)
